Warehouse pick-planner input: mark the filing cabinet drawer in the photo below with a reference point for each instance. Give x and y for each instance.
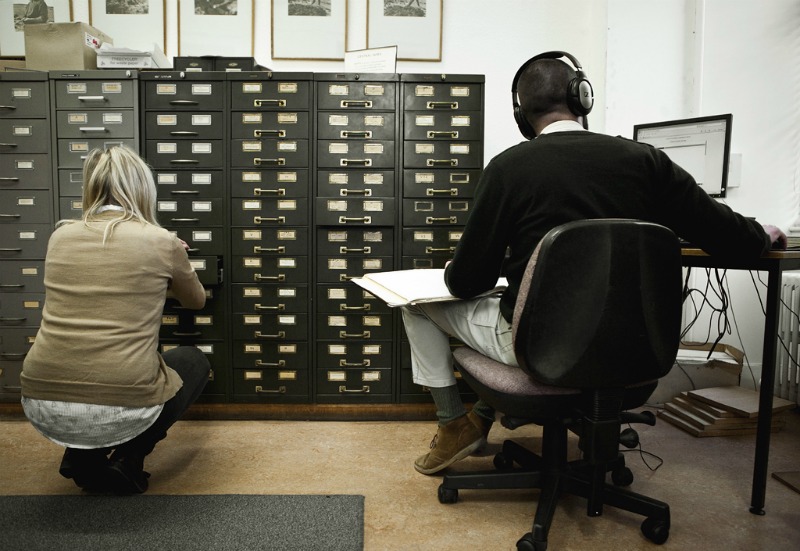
(203, 94)
(423, 262)
(22, 276)
(355, 183)
(355, 126)
(270, 356)
(93, 94)
(269, 183)
(16, 341)
(430, 242)
(292, 91)
(214, 308)
(341, 269)
(270, 269)
(177, 125)
(269, 152)
(9, 380)
(355, 241)
(442, 154)
(25, 206)
(361, 355)
(269, 298)
(442, 126)
(24, 97)
(356, 95)
(72, 152)
(342, 326)
(208, 269)
(355, 154)
(354, 383)
(24, 136)
(202, 241)
(24, 241)
(190, 154)
(96, 124)
(270, 212)
(443, 96)
(270, 241)
(271, 385)
(256, 125)
(21, 308)
(26, 171)
(348, 298)
(275, 327)
(434, 212)
(440, 183)
(70, 182)
(368, 212)
(189, 183)
(216, 353)
(70, 207)
(190, 211)
(192, 324)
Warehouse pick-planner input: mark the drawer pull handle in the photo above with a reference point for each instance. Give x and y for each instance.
(192, 250)
(269, 102)
(183, 133)
(280, 307)
(192, 334)
(91, 98)
(13, 355)
(280, 192)
(279, 390)
(10, 215)
(348, 219)
(346, 335)
(363, 390)
(10, 250)
(278, 335)
(93, 129)
(184, 219)
(12, 320)
(279, 277)
(429, 250)
(442, 105)
(448, 162)
(345, 277)
(9, 179)
(345, 250)
(13, 388)
(260, 219)
(356, 134)
(183, 102)
(356, 103)
(279, 363)
(365, 308)
(184, 192)
(184, 161)
(276, 133)
(258, 249)
(364, 192)
(452, 191)
(280, 161)
(344, 363)
(443, 133)
(12, 107)
(447, 220)
(11, 285)
(355, 162)
(9, 145)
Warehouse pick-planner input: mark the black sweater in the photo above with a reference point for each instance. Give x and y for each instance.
(535, 186)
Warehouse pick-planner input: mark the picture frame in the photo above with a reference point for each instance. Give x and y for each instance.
(216, 28)
(134, 24)
(414, 26)
(309, 29)
(12, 24)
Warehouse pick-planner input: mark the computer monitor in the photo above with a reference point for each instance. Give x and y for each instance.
(701, 146)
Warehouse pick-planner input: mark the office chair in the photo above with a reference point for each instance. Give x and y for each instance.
(596, 324)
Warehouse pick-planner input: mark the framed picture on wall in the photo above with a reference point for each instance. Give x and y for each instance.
(15, 14)
(309, 29)
(414, 26)
(134, 24)
(215, 27)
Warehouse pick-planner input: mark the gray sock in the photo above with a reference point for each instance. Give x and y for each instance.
(448, 403)
(484, 410)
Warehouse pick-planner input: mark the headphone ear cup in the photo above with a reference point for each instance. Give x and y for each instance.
(523, 124)
(580, 96)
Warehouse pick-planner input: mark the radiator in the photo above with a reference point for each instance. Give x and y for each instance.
(787, 373)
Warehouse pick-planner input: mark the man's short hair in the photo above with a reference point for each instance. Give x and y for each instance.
(542, 87)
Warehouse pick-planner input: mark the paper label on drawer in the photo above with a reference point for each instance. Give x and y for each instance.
(459, 149)
(201, 120)
(337, 321)
(76, 88)
(204, 320)
(337, 349)
(287, 349)
(30, 271)
(287, 177)
(373, 236)
(454, 235)
(287, 292)
(371, 349)
(252, 292)
(167, 148)
(26, 201)
(287, 204)
(373, 148)
(251, 87)
(373, 178)
(374, 120)
(251, 262)
(338, 178)
(201, 178)
(167, 206)
(166, 89)
(252, 349)
(287, 87)
(169, 320)
(371, 376)
(337, 264)
(112, 118)
(251, 176)
(31, 304)
(168, 347)
(459, 91)
(373, 206)
(201, 206)
(338, 148)
(337, 376)
(291, 147)
(337, 236)
(338, 89)
(251, 147)
(167, 120)
(78, 147)
(287, 118)
(201, 148)
(425, 236)
(372, 264)
(425, 120)
(77, 118)
(337, 206)
(251, 320)
(287, 375)
(374, 90)
(76, 205)
(423, 91)
(372, 321)
(251, 235)
(198, 264)
(287, 320)
(201, 236)
(252, 375)
(338, 120)
(205, 348)
(337, 294)
(286, 235)
(202, 89)
(164, 178)
(287, 263)
(24, 165)
(251, 204)
(112, 87)
(22, 131)
(251, 118)
(460, 120)
(21, 93)
(424, 148)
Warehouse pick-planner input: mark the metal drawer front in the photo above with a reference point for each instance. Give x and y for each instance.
(355, 154)
(70, 208)
(435, 212)
(94, 94)
(355, 383)
(21, 309)
(440, 183)
(277, 327)
(189, 183)
(270, 269)
(428, 242)
(348, 298)
(216, 352)
(205, 95)
(16, 341)
(264, 95)
(341, 269)
(26, 171)
(269, 212)
(24, 241)
(70, 182)
(269, 183)
(442, 154)
(269, 153)
(22, 276)
(256, 298)
(251, 125)
(185, 153)
(24, 99)
(362, 212)
(375, 96)
(270, 355)
(207, 268)
(176, 124)
(25, 206)
(355, 183)
(24, 136)
(202, 241)
(442, 126)
(88, 123)
(191, 324)
(355, 126)
(270, 241)
(72, 152)
(214, 308)
(341, 326)
(271, 385)
(361, 355)
(9, 378)
(423, 262)
(192, 211)
(355, 241)
(442, 97)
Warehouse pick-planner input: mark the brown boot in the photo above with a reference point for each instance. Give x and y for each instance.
(484, 425)
(453, 442)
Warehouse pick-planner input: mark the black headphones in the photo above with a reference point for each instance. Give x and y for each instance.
(580, 96)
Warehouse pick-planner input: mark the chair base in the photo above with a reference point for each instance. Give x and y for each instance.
(553, 475)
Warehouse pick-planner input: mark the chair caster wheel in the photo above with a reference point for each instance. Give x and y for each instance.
(655, 530)
(447, 495)
(502, 463)
(526, 543)
(622, 476)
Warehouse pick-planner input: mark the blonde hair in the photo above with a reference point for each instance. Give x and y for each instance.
(117, 176)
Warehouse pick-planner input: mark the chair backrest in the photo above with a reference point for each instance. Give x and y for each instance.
(600, 306)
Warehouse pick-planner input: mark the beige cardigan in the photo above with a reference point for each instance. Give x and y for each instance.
(98, 341)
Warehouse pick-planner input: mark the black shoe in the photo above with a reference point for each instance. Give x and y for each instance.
(126, 476)
(85, 467)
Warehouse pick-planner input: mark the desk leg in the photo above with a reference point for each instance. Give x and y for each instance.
(764, 429)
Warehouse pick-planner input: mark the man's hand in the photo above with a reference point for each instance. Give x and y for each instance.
(776, 237)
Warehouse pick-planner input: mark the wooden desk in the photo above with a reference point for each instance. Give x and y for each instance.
(774, 263)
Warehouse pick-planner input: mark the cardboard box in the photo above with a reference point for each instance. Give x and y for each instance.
(109, 57)
(56, 46)
(12, 64)
(693, 370)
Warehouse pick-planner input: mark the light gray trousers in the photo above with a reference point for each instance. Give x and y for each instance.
(476, 322)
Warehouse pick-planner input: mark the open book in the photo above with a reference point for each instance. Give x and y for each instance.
(402, 287)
